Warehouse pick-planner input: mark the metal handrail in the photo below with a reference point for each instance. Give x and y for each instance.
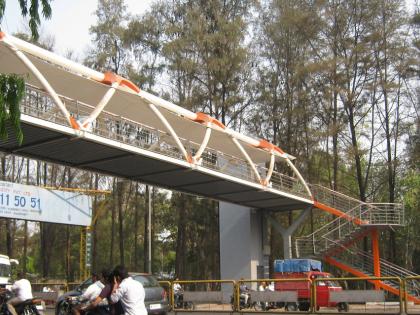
(364, 261)
(379, 214)
(318, 240)
(346, 225)
(387, 268)
(39, 104)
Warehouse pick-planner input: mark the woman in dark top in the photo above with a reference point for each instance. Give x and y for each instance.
(114, 309)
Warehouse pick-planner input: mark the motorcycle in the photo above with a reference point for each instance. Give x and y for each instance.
(66, 307)
(244, 301)
(180, 303)
(27, 307)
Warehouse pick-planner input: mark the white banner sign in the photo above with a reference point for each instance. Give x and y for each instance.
(38, 204)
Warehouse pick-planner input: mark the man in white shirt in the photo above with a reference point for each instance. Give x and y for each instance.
(22, 290)
(91, 293)
(178, 298)
(129, 291)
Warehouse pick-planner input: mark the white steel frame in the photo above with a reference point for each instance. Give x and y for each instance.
(20, 47)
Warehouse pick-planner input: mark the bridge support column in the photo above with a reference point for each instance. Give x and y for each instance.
(241, 242)
(286, 233)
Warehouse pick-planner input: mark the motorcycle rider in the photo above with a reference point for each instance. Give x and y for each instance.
(262, 286)
(244, 292)
(91, 293)
(101, 304)
(22, 290)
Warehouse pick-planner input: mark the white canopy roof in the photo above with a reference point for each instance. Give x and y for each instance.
(125, 103)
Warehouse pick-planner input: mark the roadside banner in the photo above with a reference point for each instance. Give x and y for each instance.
(32, 203)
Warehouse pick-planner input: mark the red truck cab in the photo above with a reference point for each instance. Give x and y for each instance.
(323, 289)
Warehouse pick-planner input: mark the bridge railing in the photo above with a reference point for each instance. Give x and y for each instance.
(38, 103)
(333, 198)
(330, 235)
(364, 261)
(384, 214)
(342, 229)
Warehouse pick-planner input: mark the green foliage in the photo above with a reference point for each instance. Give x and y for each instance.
(2, 9)
(32, 9)
(12, 89)
(30, 265)
(108, 53)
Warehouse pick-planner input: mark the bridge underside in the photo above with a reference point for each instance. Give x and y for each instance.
(60, 145)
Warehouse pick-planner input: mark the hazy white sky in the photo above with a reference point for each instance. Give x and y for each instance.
(71, 19)
(69, 24)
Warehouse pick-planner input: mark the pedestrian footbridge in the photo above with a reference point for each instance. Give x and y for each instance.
(101, 122)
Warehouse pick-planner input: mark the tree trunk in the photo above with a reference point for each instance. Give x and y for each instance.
(114, 205)
(9, 238)
(68, 253)
(95, 224)
(120, 193)
(9, 230)
(136, 228)
(181, 239)
(68, 231)
(356, 153)
(152, 226)
(146, 224)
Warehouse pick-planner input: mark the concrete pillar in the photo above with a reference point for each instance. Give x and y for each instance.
(286, 233)
(241, 241)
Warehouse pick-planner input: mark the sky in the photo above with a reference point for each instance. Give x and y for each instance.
(69, 24)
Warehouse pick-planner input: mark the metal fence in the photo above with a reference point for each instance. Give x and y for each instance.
(353, 295)
(412, 294)
(360, 295)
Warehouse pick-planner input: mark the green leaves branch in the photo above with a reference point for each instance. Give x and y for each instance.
(33, 10)
(12, 87)
(12, 90)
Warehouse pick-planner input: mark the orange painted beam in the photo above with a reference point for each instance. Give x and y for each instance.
(337, 212)
(375, 253)
(360, 274)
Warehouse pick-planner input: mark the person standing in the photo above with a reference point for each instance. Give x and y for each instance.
(177, 293)
(129, 291)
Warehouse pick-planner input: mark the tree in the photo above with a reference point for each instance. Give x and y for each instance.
(32, 10)
(108, 53)
(12, 87)
(144, 38)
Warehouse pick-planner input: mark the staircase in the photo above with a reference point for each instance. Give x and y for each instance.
(355, 220)
(363, 261)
